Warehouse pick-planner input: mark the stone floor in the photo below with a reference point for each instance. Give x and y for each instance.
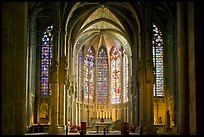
(88, 133)
(115, 132)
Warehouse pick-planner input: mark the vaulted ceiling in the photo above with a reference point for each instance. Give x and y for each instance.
(99, 23)
(102, 28)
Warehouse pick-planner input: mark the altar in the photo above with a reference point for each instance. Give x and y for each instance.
(101, 126)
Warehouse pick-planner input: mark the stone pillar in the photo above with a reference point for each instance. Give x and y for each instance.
(68, 104)
(53, 129)
(130, 108)
(62, 106)
(131, 102)
(31, 69)
(14, 31)
(183, 83)
(73, 105)
(62, 70)
(129, 114)
(149, 84)
(141, 85)
(122, 88)
(132, 77)
(82, 73)
(66, 81)
(74, 113)
(96, 85)
(137, 81)
(197, 99)
(79, 114)
(109, 103)
(76, 117)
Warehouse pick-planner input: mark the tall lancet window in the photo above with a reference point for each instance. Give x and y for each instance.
(46, 57)
(115, 76)
(157, 48)
(89, 76)
(80, 75)
(102, 76)
(125, 77)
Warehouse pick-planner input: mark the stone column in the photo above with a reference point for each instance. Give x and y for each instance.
(62, 105)
(109, 87)
(73, 105)
(183, 83)
(141, 84)
(195, 39)
(30, 70)
(66, 81)
(79, 114)
(62, 87)
(53, 129)
(68, 104)
(131, 109)
(122, 88)
(149, 83)
(136, 80)
(74, 113)
(96, 85)
(14, 31)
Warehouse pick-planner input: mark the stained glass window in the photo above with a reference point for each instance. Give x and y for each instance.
(102, 76)
(89, 75)
(46, 57)
(157, 48)
(115, 76)
(125, 77)
(80, 75)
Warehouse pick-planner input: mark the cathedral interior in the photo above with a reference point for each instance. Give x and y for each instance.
(64, 63)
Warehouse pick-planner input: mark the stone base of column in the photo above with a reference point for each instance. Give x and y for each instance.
(53, 130)
(62, 130)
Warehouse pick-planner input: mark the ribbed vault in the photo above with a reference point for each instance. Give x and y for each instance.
(101, 28)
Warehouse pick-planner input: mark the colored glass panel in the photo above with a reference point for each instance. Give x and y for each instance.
(157, 48)
(89, 75)
(102, 76)
(115, 76)
(46, 56)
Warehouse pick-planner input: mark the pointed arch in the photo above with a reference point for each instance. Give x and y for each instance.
(157, 50)
(46, 60)
(89, 62)
(115, 76)
(102, 75)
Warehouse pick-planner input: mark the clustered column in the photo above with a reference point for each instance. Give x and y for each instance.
(53, 130)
